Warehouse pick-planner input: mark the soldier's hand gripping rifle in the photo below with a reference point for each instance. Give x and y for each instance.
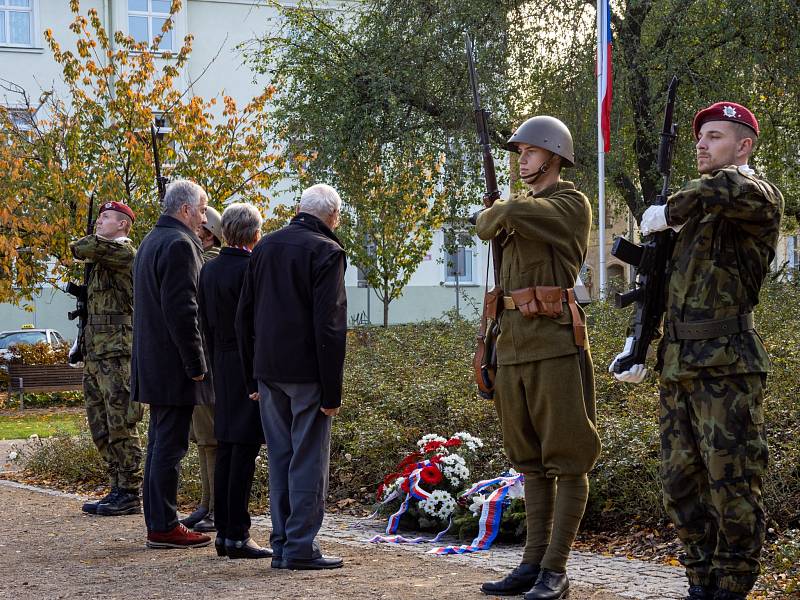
(484, 363)
(161, 182)
(79, 292)
(651, 259)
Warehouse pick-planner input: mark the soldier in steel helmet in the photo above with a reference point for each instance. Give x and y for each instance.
(110, 412)
(714, 451)
(544, 389)
(201, 431)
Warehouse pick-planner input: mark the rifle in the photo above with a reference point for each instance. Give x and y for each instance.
(161, 182)
(651, 259)
(79, 291)
(484, 363)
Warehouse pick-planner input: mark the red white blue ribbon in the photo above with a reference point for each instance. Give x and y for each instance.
(491, 514)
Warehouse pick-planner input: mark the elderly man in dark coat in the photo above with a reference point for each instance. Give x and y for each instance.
(169, 368)
(291, 325)
(237, 418)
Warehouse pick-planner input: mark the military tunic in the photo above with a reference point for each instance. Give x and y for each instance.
(111, 414)
(546, 408)
(714, 450)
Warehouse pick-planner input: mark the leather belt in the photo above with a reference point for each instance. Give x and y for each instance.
(509, 304)
(705, 330)
(109, 320)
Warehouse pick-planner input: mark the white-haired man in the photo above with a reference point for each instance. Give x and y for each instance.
(291, 326)
(169, 368)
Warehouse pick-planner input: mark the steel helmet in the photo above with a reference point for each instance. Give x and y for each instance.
(214, 223)
(545, 132)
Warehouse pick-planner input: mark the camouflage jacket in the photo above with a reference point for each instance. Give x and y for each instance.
(109, 292)
(546, 244)
(210, 254)
(731, 222)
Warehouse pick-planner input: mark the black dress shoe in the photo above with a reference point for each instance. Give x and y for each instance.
(550, 585)
(206, 525)
(125, 502)
(193, 519)
(246, 549)
(312, 564)
(519, 581)
(219, 546)
(277, 561)
(91, 507)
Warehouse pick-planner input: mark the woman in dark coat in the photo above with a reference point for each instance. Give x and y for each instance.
(237, 418)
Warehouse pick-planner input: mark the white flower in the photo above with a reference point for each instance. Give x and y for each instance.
(478, 500)
(431, 437)
(470, 441)
(454, 468)
(440, 504)
(12, 455)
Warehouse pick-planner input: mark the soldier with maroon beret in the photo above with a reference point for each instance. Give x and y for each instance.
(714, 365)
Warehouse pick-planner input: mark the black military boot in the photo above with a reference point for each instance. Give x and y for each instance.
(91, 507)
(700, 592)
(519, 581)
(126, 502)
(721, 594)
(550, 585)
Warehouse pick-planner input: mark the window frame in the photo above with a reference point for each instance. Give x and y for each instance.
(450, 279)
(149, 14)
(33, 10)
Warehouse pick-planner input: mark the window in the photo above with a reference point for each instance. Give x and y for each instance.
(458, 264)
(145, 20)
(16, 22)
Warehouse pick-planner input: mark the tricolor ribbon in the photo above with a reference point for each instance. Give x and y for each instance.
(491, 513)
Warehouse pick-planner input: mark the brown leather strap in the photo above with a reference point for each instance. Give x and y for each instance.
(109, 320)
(713, 328)
(508, 301)
(578, 326)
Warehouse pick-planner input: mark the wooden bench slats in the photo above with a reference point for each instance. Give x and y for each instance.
(43, 378)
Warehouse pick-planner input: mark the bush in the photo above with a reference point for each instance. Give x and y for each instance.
(40, 353)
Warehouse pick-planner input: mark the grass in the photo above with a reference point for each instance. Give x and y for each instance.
(45, 424)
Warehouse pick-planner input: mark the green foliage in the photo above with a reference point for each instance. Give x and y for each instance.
(67, 459)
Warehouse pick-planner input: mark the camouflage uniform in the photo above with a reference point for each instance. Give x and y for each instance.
(714, 450)
(112, 416)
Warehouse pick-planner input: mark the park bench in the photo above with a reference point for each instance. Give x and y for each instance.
(42, 378)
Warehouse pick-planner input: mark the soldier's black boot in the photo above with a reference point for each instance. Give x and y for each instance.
(91, 507)
(550, 585)
(700, 592)
(519, 581)
(126, 502)
(721, 594)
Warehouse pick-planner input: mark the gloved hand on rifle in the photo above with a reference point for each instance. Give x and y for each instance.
(635, 374)
(655, 219)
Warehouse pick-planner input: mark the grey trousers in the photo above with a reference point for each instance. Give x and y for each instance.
(298, 439)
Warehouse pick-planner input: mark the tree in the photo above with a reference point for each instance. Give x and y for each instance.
(94, 141)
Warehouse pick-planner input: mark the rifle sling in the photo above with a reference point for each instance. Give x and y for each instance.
(705, 330)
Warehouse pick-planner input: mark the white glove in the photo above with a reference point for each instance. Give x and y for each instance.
(655, 219)
(635, 374)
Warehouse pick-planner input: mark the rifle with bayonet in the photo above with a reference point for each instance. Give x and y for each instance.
(79, 291)
(651, 258)
(484, 363)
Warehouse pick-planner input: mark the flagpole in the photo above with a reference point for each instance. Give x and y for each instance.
(602, 65)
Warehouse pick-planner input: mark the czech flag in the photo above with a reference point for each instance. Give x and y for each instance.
(604, 70)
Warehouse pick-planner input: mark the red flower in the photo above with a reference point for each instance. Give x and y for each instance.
(411, 458)
(452, 442)
(389, 479)
(431, 446)
(431, 475)
(379, 493)
(436, 459)
(408, 469)
(405, 486)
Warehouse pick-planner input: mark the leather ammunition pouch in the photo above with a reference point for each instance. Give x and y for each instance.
(547, 301)
(706, 330)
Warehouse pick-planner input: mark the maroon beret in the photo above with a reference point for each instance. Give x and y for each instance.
(119, 207)
(725, 111)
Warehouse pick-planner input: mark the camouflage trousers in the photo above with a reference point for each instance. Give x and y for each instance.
(713, 456)
(112, 418)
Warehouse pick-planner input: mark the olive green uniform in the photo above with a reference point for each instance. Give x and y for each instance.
(714, 449)
(544, 389)
(107, 339)
(201, 432)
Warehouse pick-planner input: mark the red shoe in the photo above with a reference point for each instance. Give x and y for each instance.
(178, 537)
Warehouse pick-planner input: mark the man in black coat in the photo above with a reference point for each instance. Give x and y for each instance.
(291, 326)
(169, 369)
(237, 420)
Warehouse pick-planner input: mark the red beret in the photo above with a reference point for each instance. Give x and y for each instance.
(119, 207)
(725, 111)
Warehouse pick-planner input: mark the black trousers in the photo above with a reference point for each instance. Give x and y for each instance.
(233, 481)
(167, 443)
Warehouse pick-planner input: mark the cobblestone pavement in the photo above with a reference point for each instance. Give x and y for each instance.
(635, 579)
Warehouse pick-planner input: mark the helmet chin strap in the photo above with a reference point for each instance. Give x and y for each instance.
(531, 179)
